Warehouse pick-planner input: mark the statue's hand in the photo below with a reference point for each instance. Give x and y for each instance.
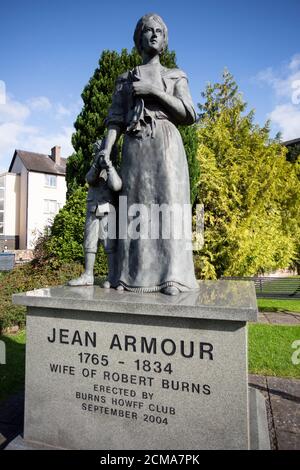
(143, 88)
(97, 146)
(103, 159)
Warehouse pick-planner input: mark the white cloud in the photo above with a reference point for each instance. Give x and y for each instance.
(281, 81)
(21, 127)
(2, 92)
(12, 135)
(62, 111)
(73, 108)
(295, 62)
(43, 142)
(39, 103)
(13, 111)
(285, 84)
(296, 92)
(287, 118)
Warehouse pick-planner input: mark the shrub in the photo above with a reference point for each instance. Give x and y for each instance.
(27, 277)
(63, 242)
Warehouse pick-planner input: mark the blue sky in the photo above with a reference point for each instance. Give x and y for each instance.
(49, 50)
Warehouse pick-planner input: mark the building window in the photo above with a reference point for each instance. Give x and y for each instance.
(50, 181)
(50, 207)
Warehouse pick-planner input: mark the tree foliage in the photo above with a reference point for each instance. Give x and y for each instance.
(64, 243)
(189, 136)
(249, 190)
(293, 152)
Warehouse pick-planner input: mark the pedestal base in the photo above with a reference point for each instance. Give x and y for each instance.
(108, 370)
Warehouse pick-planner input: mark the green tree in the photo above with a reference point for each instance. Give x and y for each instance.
(90, 123)
(189, 136)
(249, 190)
(63, 241)
(293, 153)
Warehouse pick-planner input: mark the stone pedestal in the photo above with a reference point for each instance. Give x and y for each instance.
(118, 370)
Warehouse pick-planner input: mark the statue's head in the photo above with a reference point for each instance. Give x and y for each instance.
(150, 20)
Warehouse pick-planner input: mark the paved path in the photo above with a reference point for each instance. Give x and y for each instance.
(282, 401)
(279, 318)
(283, 409)
(11, 418)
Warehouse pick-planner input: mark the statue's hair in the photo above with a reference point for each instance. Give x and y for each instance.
(140, 26)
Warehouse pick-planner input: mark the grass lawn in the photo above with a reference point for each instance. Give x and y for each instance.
(270, 350)
(13, 372)
(278, 305)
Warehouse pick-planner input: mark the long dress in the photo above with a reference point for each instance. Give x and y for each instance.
(153, 251)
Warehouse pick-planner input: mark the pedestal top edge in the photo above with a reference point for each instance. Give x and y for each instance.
(223, 300)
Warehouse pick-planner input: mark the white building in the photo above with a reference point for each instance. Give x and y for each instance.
(31, 193)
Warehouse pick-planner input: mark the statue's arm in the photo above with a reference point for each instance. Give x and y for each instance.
(102, 155)
(115, 119)
(182, 92)
(173, 105)
(179, 105)
(112, 137)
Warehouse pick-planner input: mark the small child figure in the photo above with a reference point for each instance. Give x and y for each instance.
(100, 225)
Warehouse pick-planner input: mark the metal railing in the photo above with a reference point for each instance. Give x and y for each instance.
(273, 287)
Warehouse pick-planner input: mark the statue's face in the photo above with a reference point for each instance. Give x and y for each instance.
(152, 37)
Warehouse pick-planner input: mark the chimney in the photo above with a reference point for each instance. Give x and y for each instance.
(55, 154)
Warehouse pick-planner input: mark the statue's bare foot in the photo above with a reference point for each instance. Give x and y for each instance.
(106, 285)
(83, 280)
(170, 290)
(120, 288)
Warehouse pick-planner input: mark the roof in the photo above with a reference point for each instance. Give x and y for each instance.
(39, 162)
(291, 142)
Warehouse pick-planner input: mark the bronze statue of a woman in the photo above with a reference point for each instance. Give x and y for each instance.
(148, 103)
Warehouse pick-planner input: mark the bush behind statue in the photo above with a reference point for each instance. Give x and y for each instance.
(249, 189)
(27, 277)
(63, 242)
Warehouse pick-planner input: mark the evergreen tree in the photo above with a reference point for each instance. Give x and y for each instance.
(189, 135)
(249, 190)
(293, 153)
(90, 123)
